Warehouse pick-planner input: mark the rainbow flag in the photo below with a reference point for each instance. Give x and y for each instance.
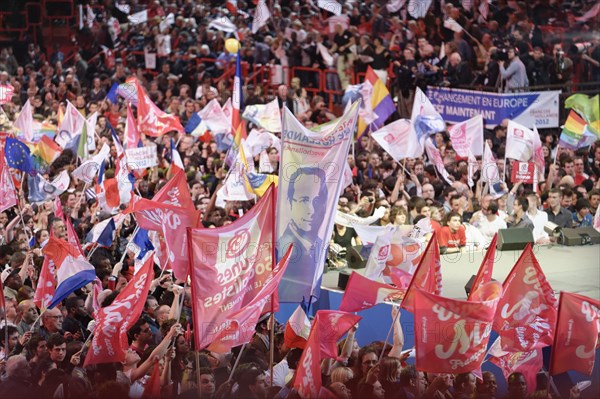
(237, 124)
(380, 100)
(576, 133)
(47, 150)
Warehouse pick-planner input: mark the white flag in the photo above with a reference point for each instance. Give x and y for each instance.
(90, 124)
(418, 8)
(330, 5)
(24, 122)
(436, 158)
(266, 116)
(484, 8)
(327, 57)
(399, 140)
(379, 254)
(138, 17)
(451, 24)
(489, 172)
(467, 137)
(88, 170)
(395, 5)
(214, 117)
(261, 16)
(71, 126)
(520, 142)
(223, 24)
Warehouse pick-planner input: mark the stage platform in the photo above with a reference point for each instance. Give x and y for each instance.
(572, 269)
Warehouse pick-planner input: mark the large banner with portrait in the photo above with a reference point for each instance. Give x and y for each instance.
(310, 180)
(534, 108)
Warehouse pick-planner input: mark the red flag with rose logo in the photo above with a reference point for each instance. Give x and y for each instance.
(230, 265)
(46, 285)
(527, 313)
(113, 321)
(452, 335)
(428, 275)
(576, 335)
(362, 293)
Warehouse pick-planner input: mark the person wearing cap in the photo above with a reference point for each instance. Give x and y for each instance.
(11, 281)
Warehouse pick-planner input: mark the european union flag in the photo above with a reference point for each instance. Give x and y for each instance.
(18, 155)
(112, 93)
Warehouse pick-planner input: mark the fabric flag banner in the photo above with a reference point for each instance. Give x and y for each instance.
(113, 321)
(138, 18)
(18, 155)
(261, 16)
(333, 325)
(379, 255)
(330, 5)
(451, 24)
(46, 285)
(214, 118)
(141, 243)
(260, 182)
(73, 271)
(265, 116)
(241, 325)
(345, 219)
(405, 255)
(310, 178)
(576, 335)
(297, 328)
(6, 93)
(129, 91)
(520, 142)
(380, 102)
(436, 158)
(428, 275)
(452, 335)
(231, 263)
(425, 119)
(71, 127)
(102, 233)
(362, 293)
(47, 150)
(526, 313)
(489, 172)
(418, 8)
(484, 275)
(587, 107)
(575, 133)
(399, 140)
(89, 169)
(24, 122)
(132, 136)
(41, 190)
(173, 222)
(223, 24)
(467, 137)
(153, 121)
(395, 5)
(238, 127)
(527, 363)
(8, 194)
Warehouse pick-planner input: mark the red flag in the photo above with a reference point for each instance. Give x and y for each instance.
(242, 324)
(484, 274)
(576, 335)
(152, 387)
(6, 93)
(428, 275)
(526, 313)
(153, 121)
(176, 192)
(231, 264)
(297, 329)
(8, 195)
(528, 363)
(362, 293)
(46, 285)
(132, 136)
(112, 322)
(452, 335)
(333, 325)
(308, 373)
(173, 222)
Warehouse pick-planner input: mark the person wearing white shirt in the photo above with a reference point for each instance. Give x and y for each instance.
(490, 222)
(538, 218)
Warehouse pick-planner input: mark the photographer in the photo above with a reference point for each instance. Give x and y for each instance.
(514, 73)
(538, 70)
(561, 68)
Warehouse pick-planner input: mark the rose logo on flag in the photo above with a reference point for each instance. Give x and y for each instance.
(389, 138)
(384, 252)
(519, 133)
(238, 244)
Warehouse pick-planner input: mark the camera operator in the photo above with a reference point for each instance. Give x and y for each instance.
(538, 71)
(513, 71)
(561, 68)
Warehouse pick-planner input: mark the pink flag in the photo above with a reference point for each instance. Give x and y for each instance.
(489, 172)
(242, 324)
(526, 313)
(428, 275)
(484, 274)
(6, 93)
(362, 293)
(153, 121)
(113, 321)
(231, 264)
(173, 222)
(46, 285)
(132, 136)
(176, 192)
(24, 121)
(434, 156)
(576, 336)
(451, 335)
(8, 195)
(333, 325)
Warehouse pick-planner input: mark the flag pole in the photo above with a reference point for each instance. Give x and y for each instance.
(198, 373)
(237, 361)
(271, 343)
(388, 334)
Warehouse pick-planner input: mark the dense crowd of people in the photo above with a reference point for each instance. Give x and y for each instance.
(506, 46)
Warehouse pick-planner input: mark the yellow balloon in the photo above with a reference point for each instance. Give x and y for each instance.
(232, 45)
